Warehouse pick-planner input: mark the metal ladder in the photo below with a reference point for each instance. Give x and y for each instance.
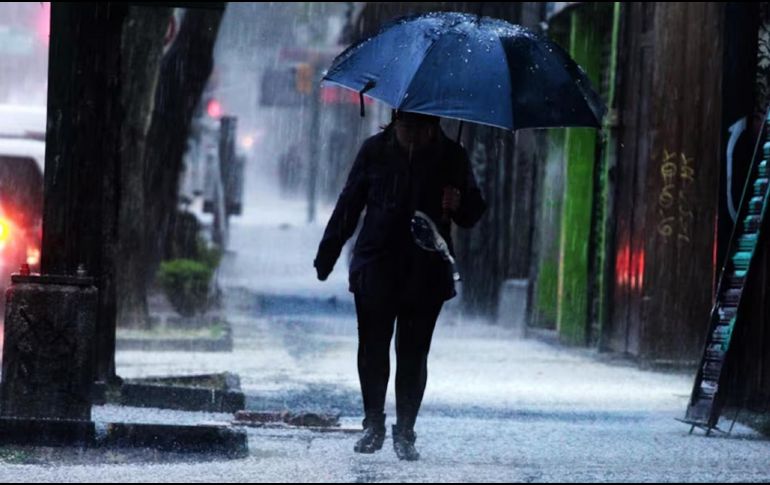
(706, 401)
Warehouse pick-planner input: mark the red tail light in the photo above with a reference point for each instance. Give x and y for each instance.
(5, 231)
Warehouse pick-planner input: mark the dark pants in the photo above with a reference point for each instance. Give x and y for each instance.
(414, 331)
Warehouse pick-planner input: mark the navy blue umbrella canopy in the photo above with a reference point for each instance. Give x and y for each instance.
(470, 68)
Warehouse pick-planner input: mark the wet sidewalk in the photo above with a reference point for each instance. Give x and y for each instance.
(496, 408)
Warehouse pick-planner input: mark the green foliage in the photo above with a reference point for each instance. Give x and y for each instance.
(186, 275)
(187, 284)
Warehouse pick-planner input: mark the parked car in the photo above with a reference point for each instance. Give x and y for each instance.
(22, 161)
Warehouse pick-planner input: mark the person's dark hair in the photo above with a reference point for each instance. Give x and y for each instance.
(416, 117)
(408, 116)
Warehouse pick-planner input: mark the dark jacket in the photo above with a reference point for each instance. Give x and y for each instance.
(386, 261)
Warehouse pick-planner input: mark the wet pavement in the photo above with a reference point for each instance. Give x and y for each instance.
(496, 408)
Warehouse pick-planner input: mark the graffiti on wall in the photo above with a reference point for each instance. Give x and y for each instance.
(674, 203)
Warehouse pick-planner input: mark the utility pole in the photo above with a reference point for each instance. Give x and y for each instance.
(313, 143)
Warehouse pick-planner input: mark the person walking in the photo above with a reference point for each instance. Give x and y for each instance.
(409, 166)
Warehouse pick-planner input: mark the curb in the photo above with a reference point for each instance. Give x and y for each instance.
(216, 393)
(217, 439)
(147, 344)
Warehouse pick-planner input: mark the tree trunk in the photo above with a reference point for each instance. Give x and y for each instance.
(83, 156)
(142, 51)
(184, 73)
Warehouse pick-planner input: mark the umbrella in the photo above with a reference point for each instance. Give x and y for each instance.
(470, 68)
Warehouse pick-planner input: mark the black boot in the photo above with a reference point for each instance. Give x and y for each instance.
(374, 435)
(403, 444)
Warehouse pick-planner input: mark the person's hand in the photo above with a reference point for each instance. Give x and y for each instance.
(451, 199)
(322, 273)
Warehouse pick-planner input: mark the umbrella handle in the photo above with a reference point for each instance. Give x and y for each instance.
(369, 85)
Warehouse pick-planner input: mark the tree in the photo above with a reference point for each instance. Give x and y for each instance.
(170, 88)
(105, 76)
(85, 115)
(184, 73)
(142, 53)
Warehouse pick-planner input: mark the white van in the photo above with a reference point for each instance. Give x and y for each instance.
(22, 161)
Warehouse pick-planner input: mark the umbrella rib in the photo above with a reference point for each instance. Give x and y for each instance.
(576, 83)
(419, 66)
(510, 81)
